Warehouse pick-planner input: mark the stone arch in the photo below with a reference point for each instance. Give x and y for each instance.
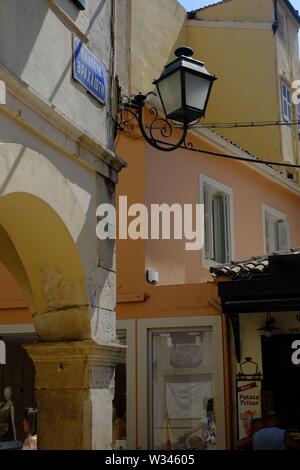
(45, 242)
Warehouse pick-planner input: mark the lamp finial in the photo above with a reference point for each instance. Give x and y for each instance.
(184, 50)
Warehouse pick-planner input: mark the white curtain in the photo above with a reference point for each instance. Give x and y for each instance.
(187, 400)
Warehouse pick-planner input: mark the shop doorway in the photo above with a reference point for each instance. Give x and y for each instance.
(281, 380)
(18, 375)
(17, 370)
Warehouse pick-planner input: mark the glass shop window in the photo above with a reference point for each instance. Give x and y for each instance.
(182, 408)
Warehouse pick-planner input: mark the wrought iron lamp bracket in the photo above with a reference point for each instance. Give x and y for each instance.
(156, 125)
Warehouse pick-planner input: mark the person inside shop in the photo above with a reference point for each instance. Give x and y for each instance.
(7, 417)
(29, 425)
(272, 437)
(246, 443)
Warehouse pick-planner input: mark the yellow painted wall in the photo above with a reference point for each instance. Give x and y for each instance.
(248, 60)
(244, 62)
(252, 10)
(288, 71)
(155, 28)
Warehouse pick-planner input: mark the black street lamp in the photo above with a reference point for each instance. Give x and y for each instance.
(184, 88)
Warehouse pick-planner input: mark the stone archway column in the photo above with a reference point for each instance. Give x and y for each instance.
(74, 386)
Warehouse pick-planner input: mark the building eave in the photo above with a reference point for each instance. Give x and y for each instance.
(230, 148)
(292, 10)
(191, 15)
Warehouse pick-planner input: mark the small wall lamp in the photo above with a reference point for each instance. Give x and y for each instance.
(269, 326)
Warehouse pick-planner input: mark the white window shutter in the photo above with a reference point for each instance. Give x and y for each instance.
(283, 228)
(269, 233)
(208, 228)
(227, 227)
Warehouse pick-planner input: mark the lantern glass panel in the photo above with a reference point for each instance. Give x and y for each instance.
(196, 90)
(170, 92)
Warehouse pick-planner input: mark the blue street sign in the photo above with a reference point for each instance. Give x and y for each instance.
(89, 70)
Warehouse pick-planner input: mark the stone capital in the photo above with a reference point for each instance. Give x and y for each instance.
(74, 364)
(74, 389)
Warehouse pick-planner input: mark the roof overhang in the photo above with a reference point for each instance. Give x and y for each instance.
(293, 11)
(192, 14)
(260, 295)
(276, 291)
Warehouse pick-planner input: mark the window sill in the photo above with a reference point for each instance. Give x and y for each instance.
(209, 263)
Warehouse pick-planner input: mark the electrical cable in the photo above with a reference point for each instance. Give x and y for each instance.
(244, 159)
(250, 124)
(237, 125)
(224, 155)
(231, 157)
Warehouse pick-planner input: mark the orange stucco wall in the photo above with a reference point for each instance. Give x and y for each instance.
(13, 307)
(173, 301)
(130, 254)
(157, 177)
(176, 177)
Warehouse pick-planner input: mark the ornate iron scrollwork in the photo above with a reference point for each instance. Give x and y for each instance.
(157, 128)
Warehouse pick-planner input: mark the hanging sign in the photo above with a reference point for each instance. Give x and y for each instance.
(89, 70)
(248, 404)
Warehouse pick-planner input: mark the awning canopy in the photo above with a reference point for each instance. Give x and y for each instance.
(261, 284)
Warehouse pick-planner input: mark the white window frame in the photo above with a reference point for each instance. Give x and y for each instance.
(275, 213)
(287, 116)
(130, 327)
(206, 262)
(144, 397)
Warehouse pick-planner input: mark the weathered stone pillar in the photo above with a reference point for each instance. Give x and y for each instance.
(74, 386)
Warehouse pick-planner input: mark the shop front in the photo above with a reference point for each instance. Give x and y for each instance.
(261, 299)
(170, 394)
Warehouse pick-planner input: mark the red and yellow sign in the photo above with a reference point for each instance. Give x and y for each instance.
(249, 405)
